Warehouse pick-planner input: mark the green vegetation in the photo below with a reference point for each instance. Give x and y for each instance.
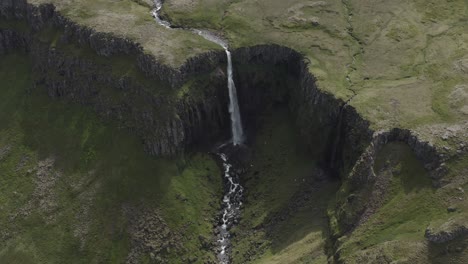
(69, 181)
(283, 218)
(75, 189)
(206, 14)
(396, 230)
(412, 84)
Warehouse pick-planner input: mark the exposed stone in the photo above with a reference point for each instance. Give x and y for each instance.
(451, 209)
(44, 198)
(4, 151)
(446, 232)
(149, 234)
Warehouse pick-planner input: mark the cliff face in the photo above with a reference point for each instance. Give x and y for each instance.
(347, 144)
(273, 74)
(150, 100)
(70, 61)
(11, 40)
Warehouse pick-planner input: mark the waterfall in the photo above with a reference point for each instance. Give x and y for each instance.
(236, 122)
(234, 191)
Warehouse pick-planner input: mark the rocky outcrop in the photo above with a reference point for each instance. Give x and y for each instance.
(362, 171)
(12, 40)
(448, 231)
(168, 122)
(362, 180)
(150, 235)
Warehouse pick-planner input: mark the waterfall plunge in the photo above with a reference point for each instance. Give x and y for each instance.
(236, 122)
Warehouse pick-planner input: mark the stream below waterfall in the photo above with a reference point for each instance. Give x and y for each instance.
(232, 201)
(233, 190)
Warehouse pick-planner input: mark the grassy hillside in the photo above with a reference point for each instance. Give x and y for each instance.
(131, 19)
(77, 190)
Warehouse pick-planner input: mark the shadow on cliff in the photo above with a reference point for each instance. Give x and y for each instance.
(286, 191)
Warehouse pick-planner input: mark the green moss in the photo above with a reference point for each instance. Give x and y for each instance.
(100, 167)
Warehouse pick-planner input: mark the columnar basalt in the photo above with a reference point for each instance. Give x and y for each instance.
(348, 144)
(168, 121)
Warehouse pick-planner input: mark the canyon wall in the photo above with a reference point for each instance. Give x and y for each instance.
(79, 64)
(347, 144)
(70, 62)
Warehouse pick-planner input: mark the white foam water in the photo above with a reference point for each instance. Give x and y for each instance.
(236, 121)
(231, 204)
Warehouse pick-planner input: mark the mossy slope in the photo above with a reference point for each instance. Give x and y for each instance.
(68, 181)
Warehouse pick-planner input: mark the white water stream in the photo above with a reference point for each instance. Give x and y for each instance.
(231, 209)
(233, 194)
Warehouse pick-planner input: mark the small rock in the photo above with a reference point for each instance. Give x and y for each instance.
(451, 209)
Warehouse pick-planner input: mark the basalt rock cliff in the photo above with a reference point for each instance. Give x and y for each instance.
(173, 109)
